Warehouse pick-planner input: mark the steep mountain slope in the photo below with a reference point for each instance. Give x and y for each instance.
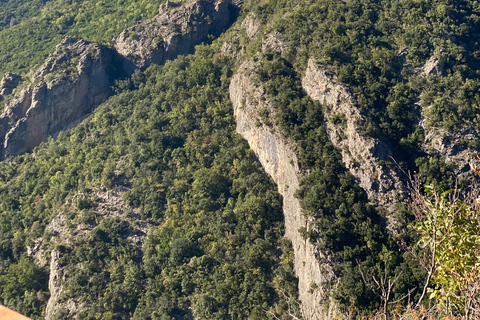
(214, 218)
(175, 30)
(62, 94)
(153, 207)
(278, 158)
(32, 29)
(374, 117)
(77, 76)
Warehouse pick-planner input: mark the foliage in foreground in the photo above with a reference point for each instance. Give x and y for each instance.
(449, 226)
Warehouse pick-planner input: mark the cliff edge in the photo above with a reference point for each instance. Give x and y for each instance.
(76, 78)
(278, 158)
(71, 82)
(175, 30)
(362, 155)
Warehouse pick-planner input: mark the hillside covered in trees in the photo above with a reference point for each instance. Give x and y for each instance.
(171, 195)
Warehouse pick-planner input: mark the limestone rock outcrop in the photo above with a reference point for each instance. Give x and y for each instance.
(432, 66)
(278, 158)
(362, 155)
(72, 81)
(459, 149)
(251, 25)
(175, 30)
(8, 83)
(107, 205)
(76, 78)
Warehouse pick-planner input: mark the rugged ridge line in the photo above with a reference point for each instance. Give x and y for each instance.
(360, 154)
(76, 78)
(175, 30)
(278, 158)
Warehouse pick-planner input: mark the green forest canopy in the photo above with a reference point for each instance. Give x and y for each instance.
(166, 142)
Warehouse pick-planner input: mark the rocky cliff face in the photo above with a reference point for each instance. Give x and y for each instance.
(459, 149)
(57, 274)
(175, 30)
(8, 83)
(362, 155)
(72, 81)
(76, 78)
(277, 156)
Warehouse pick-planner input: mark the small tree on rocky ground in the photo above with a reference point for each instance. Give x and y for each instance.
(448, 224)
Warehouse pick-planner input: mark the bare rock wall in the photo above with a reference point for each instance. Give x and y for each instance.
(278, 158)
(175, 30)
(362, 155)
(71, 82)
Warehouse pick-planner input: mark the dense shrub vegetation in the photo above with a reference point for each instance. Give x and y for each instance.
(344, 225)
(449, 226)
(379, 49)
(30, 30)
(194, 225)
(375, 46)
(215, 219)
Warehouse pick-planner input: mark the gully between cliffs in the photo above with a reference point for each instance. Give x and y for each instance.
(279, 160)
(360, 154)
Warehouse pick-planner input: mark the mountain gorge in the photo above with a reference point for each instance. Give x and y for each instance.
(216, 159)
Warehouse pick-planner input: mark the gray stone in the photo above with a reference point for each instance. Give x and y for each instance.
(75, 79)
(278, 157)
(108, 204)
(8, 83)
(362, 155)
(71, 82)
(174, 31)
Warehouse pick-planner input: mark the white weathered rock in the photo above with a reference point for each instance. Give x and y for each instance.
(108, 204)
(278, 158)
(360, 154)
(274, 42)
(251, 25)
(36, 253)
(58, 228)
(9, 82)
(55, 280)
(432, 66)
(455, 147)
